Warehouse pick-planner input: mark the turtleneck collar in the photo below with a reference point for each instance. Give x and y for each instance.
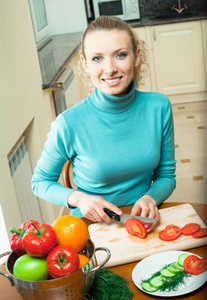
(114, 103)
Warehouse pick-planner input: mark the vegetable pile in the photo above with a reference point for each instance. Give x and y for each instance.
(39, 255)
(173, 275)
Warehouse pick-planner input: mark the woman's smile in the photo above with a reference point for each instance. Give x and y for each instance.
(112, 81)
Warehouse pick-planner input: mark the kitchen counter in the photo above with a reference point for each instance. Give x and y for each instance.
(55, 54)
(59, 49)
(8, 292)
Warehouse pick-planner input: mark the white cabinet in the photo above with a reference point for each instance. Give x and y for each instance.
(178, 58)
(204, 35)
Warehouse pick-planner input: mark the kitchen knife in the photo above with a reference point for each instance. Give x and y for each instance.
(125, 217)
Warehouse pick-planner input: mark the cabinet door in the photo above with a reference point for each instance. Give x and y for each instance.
(178, 58)
(204, 34)
(146, 86)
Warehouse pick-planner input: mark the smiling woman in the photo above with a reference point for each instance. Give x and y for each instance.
(110, 60)
(141, 69)
(120, 140)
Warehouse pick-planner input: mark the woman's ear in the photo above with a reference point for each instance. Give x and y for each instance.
(137, 58)
(84, 64)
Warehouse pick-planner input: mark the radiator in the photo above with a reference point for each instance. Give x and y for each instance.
(21, 172)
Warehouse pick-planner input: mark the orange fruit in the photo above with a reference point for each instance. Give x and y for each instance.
(83, 260)
(71, 231)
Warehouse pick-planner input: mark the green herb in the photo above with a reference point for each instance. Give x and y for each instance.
(109, 286)
(173, 283)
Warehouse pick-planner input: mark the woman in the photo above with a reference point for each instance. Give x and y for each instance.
(120, 140)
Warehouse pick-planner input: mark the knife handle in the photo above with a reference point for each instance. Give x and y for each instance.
(112, 214)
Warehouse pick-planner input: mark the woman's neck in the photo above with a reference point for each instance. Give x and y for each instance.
(114, 103)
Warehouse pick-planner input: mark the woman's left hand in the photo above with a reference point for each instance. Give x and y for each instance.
(146, 207)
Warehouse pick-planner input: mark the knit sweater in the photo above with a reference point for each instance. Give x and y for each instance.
(121, 147)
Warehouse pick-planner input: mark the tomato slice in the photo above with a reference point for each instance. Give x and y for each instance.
(195, 265)
(201, 266)
(170, 233)
(201, 233)
(189, 263)
(134, 227)
(190, 228)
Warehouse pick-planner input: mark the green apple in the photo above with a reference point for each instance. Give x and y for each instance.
(30, 268)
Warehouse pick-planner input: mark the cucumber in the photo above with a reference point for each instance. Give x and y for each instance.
(181, 258)
(164, 272)
(148, 288)
(156, 282)
(173, 269)
(176, 265)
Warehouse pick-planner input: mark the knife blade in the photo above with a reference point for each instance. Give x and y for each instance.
(125, 217)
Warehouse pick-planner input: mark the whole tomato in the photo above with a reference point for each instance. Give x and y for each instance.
(62, 261)
(39, 240)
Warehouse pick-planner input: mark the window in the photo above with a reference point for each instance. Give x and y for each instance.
(39, 20)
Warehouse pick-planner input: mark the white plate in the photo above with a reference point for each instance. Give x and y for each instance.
(153, 263)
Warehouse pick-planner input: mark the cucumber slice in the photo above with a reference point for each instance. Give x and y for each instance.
(173, 269)
(176, 265)
(181, 258)
(148, 288)
(156, 281)
(164, 272)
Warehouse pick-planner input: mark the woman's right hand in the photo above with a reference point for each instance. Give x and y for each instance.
(92, 207)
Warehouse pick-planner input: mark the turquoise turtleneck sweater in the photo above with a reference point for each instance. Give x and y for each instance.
(121, 147)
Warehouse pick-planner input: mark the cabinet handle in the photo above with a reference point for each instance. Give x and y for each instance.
(154, 34)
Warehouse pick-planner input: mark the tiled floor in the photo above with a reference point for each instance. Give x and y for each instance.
(190, 121)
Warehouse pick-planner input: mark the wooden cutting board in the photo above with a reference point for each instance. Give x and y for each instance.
(126, 248)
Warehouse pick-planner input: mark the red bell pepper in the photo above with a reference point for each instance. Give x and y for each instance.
(39, 240)
(16, 239)
(62, 261)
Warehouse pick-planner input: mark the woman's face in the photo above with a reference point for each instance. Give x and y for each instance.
(110, 60)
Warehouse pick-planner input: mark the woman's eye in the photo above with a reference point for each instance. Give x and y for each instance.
(121, 55)
(96, 58)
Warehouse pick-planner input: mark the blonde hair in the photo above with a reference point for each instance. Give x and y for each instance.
(112, 23)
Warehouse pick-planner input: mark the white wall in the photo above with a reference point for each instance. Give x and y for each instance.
(23, 104)
(65, 16)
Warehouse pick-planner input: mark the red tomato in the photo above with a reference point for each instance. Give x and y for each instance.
(170, 233)
(201, 266)
(190, 228)
(134, 227)
(62, 261)
(39, 240)
(201, 233)
(195, 265)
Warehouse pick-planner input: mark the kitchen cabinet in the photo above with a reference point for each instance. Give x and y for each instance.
(78, 90)
(178, 58)
(204, 36)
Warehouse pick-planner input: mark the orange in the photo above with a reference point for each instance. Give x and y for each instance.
(83, 260)
(71, 231)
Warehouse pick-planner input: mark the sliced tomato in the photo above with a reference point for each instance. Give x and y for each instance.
(195, 265)
(201, 266)
(134, 227)
(190, 228)
(201, 233)
(170, 233)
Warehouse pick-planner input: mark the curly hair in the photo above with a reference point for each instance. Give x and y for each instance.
(114, 23)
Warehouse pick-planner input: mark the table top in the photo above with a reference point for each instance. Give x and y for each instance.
(8, 292)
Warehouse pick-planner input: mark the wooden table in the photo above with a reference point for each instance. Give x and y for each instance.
(8, 292)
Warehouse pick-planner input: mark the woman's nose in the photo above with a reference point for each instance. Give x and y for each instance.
(110, 68)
